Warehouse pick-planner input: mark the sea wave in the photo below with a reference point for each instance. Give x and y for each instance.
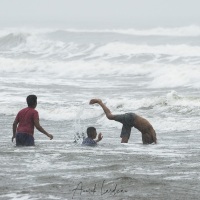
(171, 103)
(32, 47)
(192, 30)
(111, 45)
(181, 31)
(154, 75)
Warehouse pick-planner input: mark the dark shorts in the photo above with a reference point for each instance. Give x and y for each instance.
(127, 120)
(24, 139)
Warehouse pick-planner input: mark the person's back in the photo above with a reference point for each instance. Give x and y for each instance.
(26, 117)
(147, 130)
(24, 123)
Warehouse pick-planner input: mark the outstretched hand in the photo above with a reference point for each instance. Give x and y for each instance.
(50, 136)
(13, 137)
(93, 101)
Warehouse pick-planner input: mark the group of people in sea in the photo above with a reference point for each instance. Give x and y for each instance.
(28, 118)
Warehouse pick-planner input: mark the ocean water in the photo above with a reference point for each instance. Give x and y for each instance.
(152, 72)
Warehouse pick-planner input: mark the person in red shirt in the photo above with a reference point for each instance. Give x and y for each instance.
(24, 123)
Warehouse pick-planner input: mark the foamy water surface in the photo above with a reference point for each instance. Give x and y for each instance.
(154, 73)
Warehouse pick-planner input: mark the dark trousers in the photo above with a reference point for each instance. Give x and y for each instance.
(24, 139)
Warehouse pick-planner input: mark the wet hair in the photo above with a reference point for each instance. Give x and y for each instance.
(31, 100)
(91, 131)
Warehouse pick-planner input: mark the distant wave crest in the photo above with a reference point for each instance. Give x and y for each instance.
(192, 30)
(128, 45)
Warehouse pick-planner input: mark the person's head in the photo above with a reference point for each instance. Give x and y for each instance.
(91, 132)
(31, 101)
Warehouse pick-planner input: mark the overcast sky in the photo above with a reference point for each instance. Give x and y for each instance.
(108, 13)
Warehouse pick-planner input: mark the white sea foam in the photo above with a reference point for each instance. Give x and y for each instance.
(16, 196)
(169, 103)
(153, 73)
(66, 71)
(42, 44)
(119, 49)
(192, 30)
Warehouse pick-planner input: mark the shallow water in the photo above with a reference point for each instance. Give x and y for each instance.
(154, 73)
(62, 169)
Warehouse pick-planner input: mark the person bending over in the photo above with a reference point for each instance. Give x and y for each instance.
(130, 120)
(24, 123)
(92, 134)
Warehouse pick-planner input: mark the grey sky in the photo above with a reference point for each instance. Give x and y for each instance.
(124, 13)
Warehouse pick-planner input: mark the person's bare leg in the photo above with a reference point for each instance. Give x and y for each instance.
(108, 113)
(124, 140)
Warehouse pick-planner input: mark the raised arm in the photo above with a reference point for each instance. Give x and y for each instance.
(106, 110)
(100, 137)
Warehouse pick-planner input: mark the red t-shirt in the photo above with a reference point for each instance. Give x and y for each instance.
(25, 118)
